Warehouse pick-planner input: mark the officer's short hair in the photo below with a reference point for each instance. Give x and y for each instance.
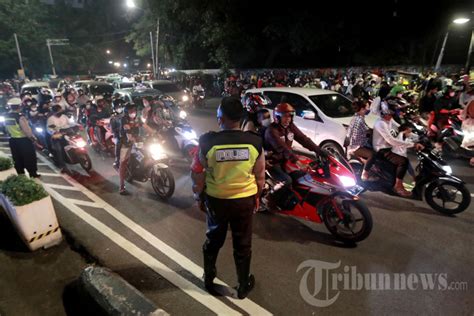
(232, 108)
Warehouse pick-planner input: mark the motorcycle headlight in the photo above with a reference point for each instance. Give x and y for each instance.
(80, 143)
(183, 114)
(39, 129)
(190, 135)
(157, 152)
(2, 119)
(185, 98)
(448, 169)
(347, 181)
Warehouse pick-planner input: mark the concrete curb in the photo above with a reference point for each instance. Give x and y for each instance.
(106, 293)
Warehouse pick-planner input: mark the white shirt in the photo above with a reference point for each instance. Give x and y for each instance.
(383, 137)
(59, 122)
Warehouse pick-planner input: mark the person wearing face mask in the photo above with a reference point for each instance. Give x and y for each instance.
(59, 99)
(129, 129)
(383, 141)
(279, 137)
(97, 114)
(146, 109)
(82, 98)
(54, 124)
(115, 125)
(357, 136)
(253, 102)
(21, 141)
(443, 107)
(33, 114)
(264, 119)
(228, 173)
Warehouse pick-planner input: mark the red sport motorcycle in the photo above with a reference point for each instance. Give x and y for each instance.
(322, 191)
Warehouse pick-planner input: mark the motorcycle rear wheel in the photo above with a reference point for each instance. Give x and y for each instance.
(163, 183)
(344, 229)
(441, 192)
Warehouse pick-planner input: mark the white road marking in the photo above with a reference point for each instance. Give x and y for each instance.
(84, 203)
(61, 187)
(245, 304)
(48, 174)
(189, 288)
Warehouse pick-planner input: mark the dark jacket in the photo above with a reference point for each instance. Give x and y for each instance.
(280, 140)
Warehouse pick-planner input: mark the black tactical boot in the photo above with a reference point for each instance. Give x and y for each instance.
(209, 271)
(246, 280)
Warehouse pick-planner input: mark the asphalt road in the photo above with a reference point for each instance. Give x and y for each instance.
(299, 268)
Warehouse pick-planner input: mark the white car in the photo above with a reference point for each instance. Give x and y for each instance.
(323, 115)
(34, 88)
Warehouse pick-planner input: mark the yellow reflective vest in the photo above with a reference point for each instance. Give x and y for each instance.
(231, 156)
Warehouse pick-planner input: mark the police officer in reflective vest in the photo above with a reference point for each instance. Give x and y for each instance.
(21, 142)
(228, 173)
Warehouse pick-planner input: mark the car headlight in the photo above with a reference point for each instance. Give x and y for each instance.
(183, 114)
(448, 169)
(190, 135)
(347, 181)
(157, 152)
(39, 129)
(185, 98)
(2, 119)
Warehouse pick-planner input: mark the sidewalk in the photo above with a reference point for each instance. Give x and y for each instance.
(32, 283)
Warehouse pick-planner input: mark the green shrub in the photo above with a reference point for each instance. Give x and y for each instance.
(22, 190)
(5, 163)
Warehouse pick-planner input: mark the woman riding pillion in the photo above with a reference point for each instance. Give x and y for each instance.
(357, 135)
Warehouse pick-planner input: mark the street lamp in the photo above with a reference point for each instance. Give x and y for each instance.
(124, 65)
(458, 21)
(461, 20)
(130, 4)
(111, 62)
(108, 51)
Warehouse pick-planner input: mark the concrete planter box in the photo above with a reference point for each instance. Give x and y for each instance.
(36, 223)
(6, 173)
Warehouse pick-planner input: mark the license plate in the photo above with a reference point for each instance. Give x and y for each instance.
(356, 190)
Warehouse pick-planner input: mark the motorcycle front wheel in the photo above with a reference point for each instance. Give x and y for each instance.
(355, 225)
(162, 182)
(85, 162)
(448, 198)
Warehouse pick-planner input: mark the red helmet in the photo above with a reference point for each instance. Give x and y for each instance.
(282, 109)
(255, 101)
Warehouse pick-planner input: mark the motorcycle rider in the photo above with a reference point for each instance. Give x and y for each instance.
(97, 114)
(197, 90)
(358, 140)
(383, 141)
(129, 128)
(54, 124)
(59, 99)
(115, 125)
(82, 98)
(279, 138)
(253, 102)
(44, 96)
(443, 107)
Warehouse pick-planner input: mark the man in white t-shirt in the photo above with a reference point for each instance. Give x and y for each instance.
(384, 140)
